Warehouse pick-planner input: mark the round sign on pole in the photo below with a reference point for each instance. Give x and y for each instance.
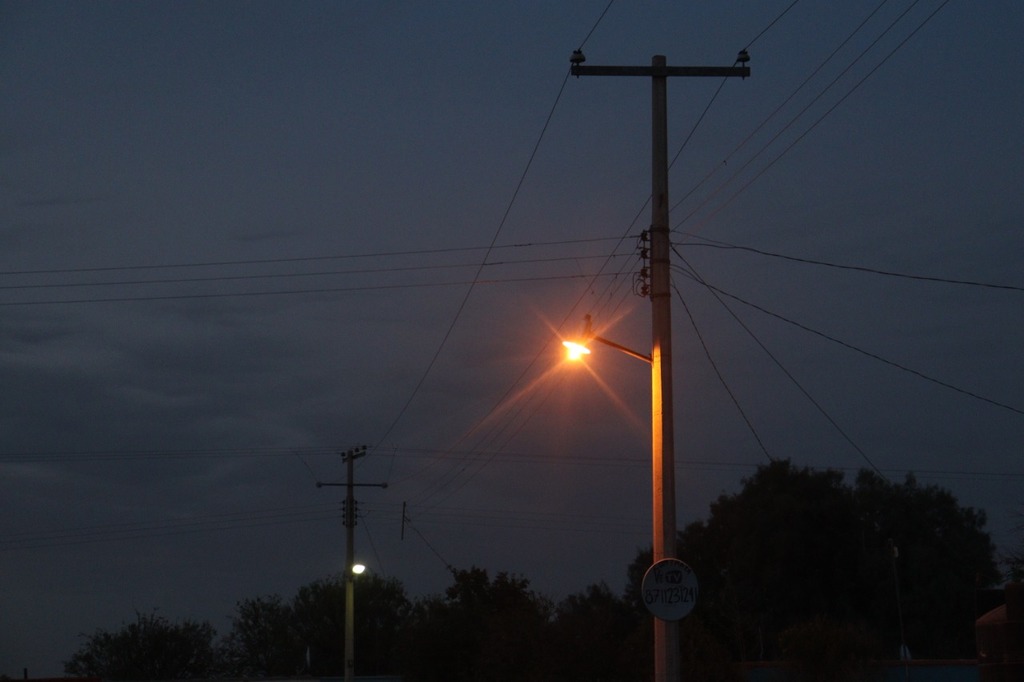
(669, 589)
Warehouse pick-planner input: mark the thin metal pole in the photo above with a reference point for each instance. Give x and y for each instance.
(350, 607)
(666, 633)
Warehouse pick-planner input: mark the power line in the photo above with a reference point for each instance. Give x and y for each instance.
(407, 521)
(446, 516)
(135, 455)
(300, 259)
(818, 406)
(76, 456)
(708, 243)
(596, 24)
(721, 378)
(777, 109)
(767, 28)
(476, 278)
(165, 527)
(873, 356)
(296, 292)
(504, 218)
(618, 461)
(799, 138)
(293, 275)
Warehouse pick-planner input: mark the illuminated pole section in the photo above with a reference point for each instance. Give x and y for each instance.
(666, 633)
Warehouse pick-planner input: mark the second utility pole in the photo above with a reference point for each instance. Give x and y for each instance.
(350, 527)
(666, 633)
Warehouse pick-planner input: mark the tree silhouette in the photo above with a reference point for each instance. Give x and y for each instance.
(479, 629)
(318, 612)
(1013, 559)
(151, 648)
(262, 641)
(797, 544)
(794, 553)
(598, 636)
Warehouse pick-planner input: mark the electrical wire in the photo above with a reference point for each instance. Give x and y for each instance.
(718, 91)
(293, 275)
(799, 138)
(465, 299)
(714, 244)
(789, 375)
(721, 378)
(96, 456)
(418, 253)
(508, 209)
(439, 516)
(123, 531)
(373, 546)
(777, 109)
(140, 455)
(297, 292)
(408, 522)
(771, 25)
(492, 442)
(868, 354)
(596, 24)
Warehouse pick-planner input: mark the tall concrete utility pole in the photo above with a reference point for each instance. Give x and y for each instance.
(350, 526)
(666, 633)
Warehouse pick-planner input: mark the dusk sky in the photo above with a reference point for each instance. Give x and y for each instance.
(240, 238)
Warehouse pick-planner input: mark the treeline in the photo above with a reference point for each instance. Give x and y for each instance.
(795, 564)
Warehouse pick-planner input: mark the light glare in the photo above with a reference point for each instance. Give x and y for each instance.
(575, 350)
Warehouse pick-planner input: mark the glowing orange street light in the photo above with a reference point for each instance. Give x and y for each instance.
(575, 350)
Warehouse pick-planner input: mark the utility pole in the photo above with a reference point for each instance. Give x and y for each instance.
(666, 633)
(349, 458)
